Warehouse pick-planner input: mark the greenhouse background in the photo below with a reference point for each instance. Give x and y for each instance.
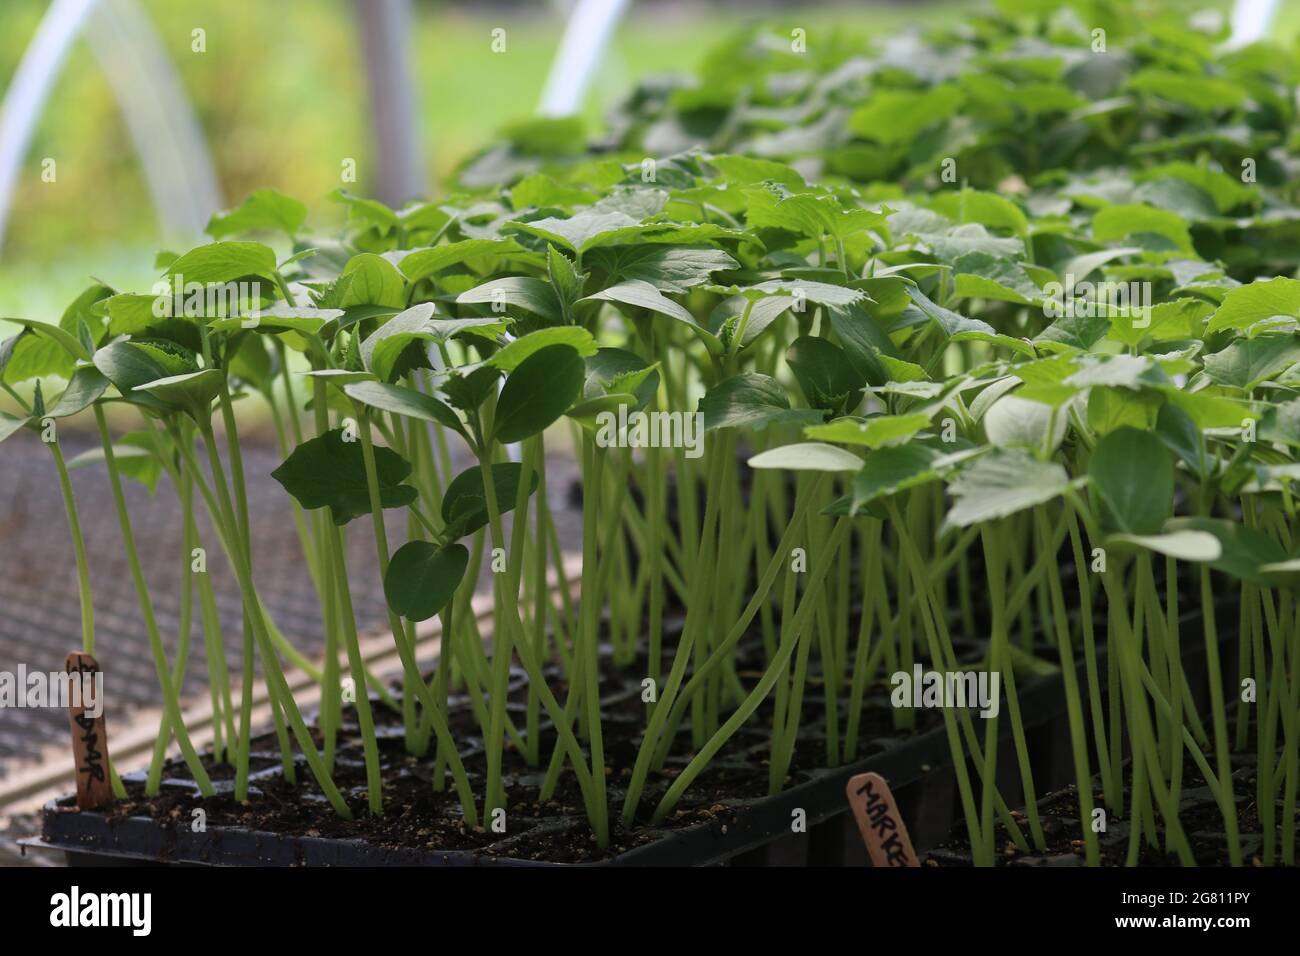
(274, 110)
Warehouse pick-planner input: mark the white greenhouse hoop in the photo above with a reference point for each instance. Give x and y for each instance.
(181, 180)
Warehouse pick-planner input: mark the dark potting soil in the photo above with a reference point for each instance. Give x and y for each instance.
(417, 816)
(1199, 815)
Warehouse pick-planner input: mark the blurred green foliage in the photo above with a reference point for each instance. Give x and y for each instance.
(281, 96)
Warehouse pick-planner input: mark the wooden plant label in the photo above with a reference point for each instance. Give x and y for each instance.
(881, 824)
(89, 735)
